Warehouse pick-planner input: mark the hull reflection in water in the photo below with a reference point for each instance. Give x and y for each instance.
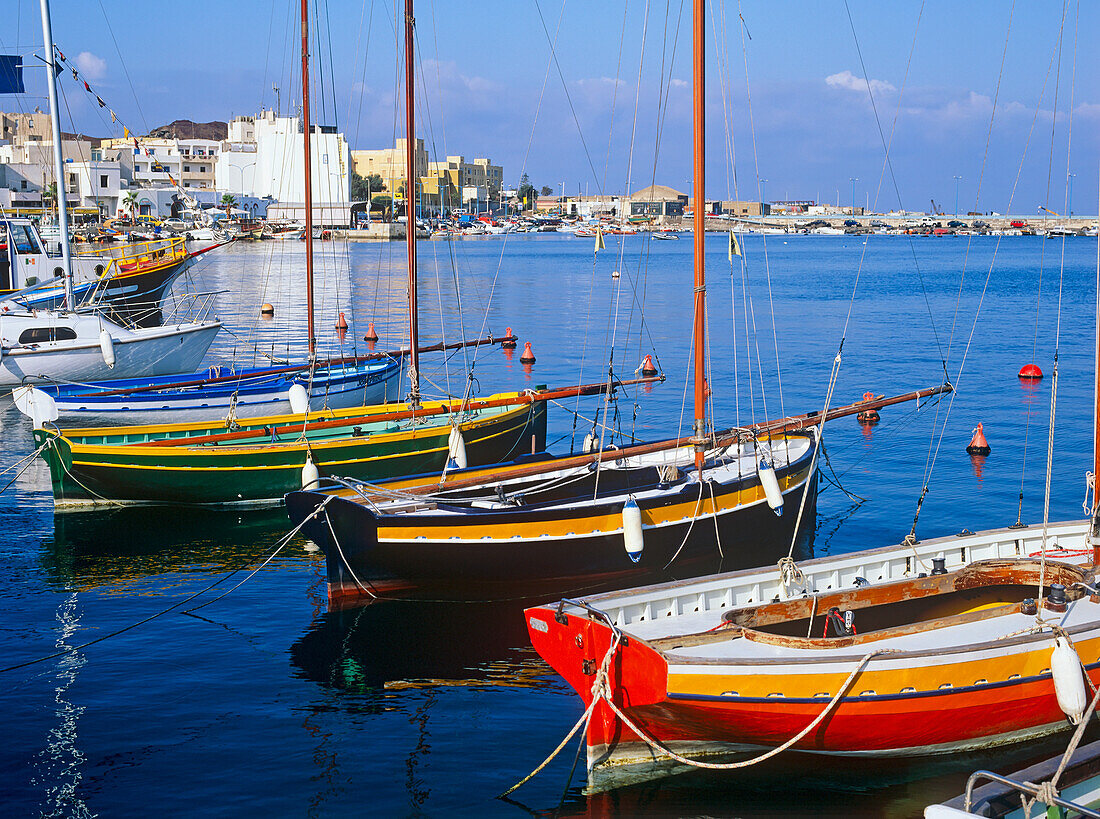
(400, 644)
(101, 547)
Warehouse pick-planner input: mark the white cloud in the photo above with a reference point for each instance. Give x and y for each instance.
(850, 82)
(91, 66)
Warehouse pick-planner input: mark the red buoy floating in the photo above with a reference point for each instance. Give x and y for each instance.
(978, 444)
(371, 335)
(648, 368)
(1031, 372)
(341, 322)
(868, 416)
(528, 357)
(509, 342)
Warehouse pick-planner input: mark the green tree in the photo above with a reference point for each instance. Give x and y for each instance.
(526, 191)
(546, 191)
(49, 195)
(130, 200)
(363, 187)
(229, 201)
(382, 202)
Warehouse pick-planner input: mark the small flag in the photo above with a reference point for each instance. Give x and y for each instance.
(113, 117)
(125, 132)
(99, 99)
(735, 249)
(87, 87)
(11, 75)
(76, 76)
(599, 240)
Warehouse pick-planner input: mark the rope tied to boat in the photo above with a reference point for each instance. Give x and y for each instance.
(730, 766)
(602, 691)
(23, 464)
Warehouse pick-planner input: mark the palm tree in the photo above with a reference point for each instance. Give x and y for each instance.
(130, 200)
(229, 201)
(49, 195)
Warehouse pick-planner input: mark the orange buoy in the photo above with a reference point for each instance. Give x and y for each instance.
(509, 341)
(266, 309)
(341, 322)
(528, 357)
(371, 335)
(648, 368)
(1030, 371)
(978, 444)
(868, 416)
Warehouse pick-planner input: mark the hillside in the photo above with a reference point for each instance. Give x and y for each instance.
(186, 129)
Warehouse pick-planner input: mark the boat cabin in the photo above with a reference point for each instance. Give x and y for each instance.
(23, 257)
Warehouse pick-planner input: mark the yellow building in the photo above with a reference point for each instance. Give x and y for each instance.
(389, 163)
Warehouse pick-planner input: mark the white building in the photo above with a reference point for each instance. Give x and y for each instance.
(270, 164)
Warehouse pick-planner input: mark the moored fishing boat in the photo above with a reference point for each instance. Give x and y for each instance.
(258, 460)
(130, 280)
(218, 392)
(867, 656)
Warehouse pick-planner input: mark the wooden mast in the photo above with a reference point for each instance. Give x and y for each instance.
(699, 205)
(309, 181)
(410, 208)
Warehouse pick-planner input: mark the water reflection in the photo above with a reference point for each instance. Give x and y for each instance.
(398, 645)
(835, 787)
(124, 545)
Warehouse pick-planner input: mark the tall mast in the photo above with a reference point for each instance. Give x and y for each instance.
(309, 181)
(58, 158)
(699, 204)
(410, 208)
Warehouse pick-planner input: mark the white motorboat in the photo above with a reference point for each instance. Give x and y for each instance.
(50, 346)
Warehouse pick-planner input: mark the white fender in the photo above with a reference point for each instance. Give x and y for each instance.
(299, 399)
(456, 449)
(1069, 683)
(35, 404)
(591, 443)
(107, 347)
(633, 539)
(311, 476)
(771, 486)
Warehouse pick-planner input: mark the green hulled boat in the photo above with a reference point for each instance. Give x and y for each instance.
(256, 461)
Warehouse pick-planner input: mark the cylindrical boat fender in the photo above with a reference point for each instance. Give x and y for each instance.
(771, 485)
(633, 540)
(456, 449)
(311, 476)
(107, 347)
(1069, 683)
(591, 443)
(299, 399)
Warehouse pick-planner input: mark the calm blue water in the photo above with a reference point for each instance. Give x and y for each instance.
(263, 702)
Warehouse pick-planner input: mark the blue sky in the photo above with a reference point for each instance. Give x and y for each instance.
(483, 67)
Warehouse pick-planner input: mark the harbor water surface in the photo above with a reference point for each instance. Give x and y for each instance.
(262, 702)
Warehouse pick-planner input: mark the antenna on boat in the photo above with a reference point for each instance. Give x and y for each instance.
(699, 61)
(410, 208)
(309, 181)
(58, 160)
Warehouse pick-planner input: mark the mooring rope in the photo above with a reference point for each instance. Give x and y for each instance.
(601, 690)
(72, 649)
